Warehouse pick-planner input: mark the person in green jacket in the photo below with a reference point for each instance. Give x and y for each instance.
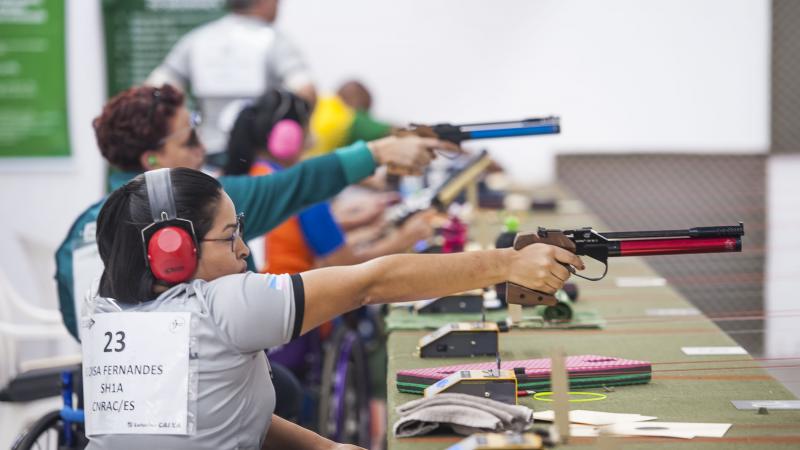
(147, 128)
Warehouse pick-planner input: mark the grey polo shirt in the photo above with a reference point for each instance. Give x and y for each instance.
(234, 318)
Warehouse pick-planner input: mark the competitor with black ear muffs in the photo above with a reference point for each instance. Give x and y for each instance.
(181, 365)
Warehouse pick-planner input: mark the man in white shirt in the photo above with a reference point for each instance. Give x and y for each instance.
(233, 59)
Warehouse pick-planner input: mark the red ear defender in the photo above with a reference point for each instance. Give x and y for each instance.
(171, 250)
(172, 254)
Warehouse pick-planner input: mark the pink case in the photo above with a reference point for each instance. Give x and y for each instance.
(540, 368)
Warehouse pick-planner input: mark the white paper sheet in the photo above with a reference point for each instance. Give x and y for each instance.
(647, 429)
(685, 430)
(586, 417)
(713, 351)
(769, 404)
(590, 423)
(583, 431)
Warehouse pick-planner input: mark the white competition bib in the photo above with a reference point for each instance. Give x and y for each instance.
(136, 373)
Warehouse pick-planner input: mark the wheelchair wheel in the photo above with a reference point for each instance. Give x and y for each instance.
(48, 433)
(344, 410)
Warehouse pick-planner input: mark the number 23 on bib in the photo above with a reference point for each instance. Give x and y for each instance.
(138, 373)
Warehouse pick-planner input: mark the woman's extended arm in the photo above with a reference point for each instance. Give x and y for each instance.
(332, 291)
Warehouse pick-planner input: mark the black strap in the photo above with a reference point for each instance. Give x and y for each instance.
(299, 304)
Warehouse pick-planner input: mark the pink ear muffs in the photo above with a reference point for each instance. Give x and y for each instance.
(285, 141)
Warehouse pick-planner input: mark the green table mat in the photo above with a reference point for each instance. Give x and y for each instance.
(403, 319)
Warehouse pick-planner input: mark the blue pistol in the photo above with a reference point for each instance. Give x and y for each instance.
(487, 130)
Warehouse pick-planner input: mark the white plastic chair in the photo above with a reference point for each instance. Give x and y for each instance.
(40, 256)
(48, 327)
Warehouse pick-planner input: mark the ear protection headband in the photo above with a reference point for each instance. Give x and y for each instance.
(170, 244)
(285, 139)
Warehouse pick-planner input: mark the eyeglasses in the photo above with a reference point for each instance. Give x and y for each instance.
(194, 141)
(239, 232)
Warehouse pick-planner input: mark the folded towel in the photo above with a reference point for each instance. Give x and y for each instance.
(465, 414)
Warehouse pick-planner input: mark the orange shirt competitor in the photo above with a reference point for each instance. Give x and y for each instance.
(293, 246)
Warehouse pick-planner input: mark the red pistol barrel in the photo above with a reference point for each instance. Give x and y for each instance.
(642, 247)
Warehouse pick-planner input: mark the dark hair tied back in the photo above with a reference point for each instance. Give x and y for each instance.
(255, 122)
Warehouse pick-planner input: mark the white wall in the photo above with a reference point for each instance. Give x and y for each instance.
(40, 199)
(657, 75)
(782, 277)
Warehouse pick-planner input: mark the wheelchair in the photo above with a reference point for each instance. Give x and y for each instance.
(61, 429)
(334, 371)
